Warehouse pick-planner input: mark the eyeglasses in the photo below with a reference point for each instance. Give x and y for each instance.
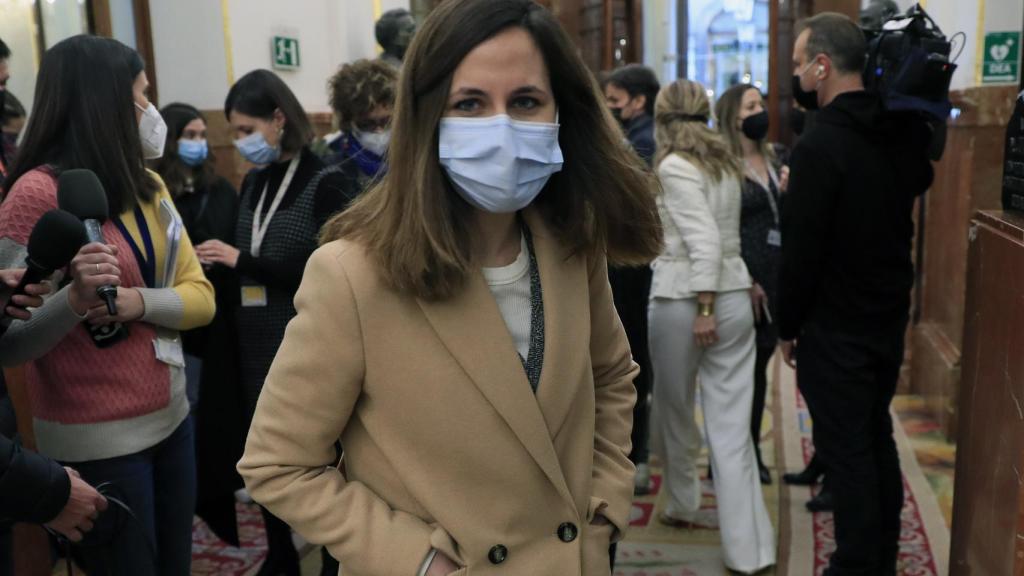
(371, 125)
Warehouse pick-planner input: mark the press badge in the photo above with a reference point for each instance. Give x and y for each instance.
(169, 351)
(775, 238)
(254, 296)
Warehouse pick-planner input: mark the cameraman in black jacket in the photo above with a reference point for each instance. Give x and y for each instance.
(33, 488)
(845, 282)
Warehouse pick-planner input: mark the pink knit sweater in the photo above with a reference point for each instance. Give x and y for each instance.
(76, 382)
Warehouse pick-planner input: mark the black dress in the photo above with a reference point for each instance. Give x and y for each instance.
(209, 213)
(290, 239)
(757, 221)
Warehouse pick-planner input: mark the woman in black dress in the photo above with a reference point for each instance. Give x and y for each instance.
(282, 207)
(743, 121)
(208, 205)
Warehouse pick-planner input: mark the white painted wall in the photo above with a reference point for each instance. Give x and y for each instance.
(188, 37)
(188, 43)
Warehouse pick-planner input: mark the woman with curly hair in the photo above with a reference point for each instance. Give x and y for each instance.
(362, 96)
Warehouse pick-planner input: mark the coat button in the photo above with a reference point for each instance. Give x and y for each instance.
(567, 532)
(498, 554)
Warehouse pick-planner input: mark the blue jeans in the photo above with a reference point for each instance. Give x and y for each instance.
(159, 486)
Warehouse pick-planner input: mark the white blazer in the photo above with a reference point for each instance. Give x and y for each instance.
(701, 219)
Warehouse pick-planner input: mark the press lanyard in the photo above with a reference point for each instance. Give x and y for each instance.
(260, 224)
(147, 263)
(767, 186)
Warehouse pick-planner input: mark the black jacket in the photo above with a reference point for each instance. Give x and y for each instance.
(33, 488)
(847, 223)
(640, 133)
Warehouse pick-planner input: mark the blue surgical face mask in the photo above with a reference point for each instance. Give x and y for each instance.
(193, 152)
(499, 164)
(255, 149)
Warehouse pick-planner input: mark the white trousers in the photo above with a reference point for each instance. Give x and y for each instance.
(726, 372)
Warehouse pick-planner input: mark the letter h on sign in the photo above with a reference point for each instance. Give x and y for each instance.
(285, 53)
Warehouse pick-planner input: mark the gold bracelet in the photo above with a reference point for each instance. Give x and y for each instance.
(706, 309)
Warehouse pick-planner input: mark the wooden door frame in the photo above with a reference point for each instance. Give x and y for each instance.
(101, 23)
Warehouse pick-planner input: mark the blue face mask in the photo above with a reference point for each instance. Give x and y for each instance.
(255, 149)
(499, 164)
(193, 152)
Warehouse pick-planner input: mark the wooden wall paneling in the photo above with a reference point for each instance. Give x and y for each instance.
(591, 18)
(569, 13)
(987, 522)
(774, 78)
(30, 543)
(99, 18)
(636, 30)
(607, 34)
(849, 7)
(967, 179)
(682, 37)
(144, 45)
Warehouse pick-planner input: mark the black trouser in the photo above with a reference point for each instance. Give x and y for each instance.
(329, 566)
(631, 287)
(764, 356)
(848, 382)
(281, 552)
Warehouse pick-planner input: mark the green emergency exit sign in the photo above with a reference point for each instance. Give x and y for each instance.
(1002, 58)
(285, 52)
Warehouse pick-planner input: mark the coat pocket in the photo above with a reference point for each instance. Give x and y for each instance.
(597, 541)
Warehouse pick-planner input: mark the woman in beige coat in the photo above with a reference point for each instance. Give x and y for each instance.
(456, 330)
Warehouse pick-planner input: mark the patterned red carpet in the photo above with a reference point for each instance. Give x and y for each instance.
(212, 557)
(924, 541)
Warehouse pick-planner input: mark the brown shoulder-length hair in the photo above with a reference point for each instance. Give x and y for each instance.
(414, 223)
(727, 110)
(681, 116)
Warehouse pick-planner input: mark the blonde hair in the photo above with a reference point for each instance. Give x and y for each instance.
(681, 116)
(727, 109)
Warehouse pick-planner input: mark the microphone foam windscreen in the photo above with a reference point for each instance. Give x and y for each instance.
(55, 239)
(80, 192)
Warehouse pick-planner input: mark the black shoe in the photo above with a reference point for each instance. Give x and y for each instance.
(821, 503)
(766, 475)
(808, 477)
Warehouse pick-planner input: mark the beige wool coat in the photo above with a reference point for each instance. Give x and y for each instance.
(446, 445)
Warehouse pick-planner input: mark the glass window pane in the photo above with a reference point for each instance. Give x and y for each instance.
(63, 19)
(728, 43)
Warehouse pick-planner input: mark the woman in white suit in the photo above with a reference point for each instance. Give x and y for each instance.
(702, 326)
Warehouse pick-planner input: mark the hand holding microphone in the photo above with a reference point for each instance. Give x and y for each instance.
(54, 240)
(80, 192)
(93, 268)
(17, 307)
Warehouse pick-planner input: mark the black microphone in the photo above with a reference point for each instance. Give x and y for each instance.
(54, 241)
(80, 192)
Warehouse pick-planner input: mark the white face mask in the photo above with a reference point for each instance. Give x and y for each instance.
(376, 142)
(499, 164)
(152, 132)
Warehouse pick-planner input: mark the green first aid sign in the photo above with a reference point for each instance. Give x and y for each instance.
(1001, 58)
(285, 52)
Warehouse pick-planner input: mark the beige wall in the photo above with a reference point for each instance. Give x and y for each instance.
(193, 55)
